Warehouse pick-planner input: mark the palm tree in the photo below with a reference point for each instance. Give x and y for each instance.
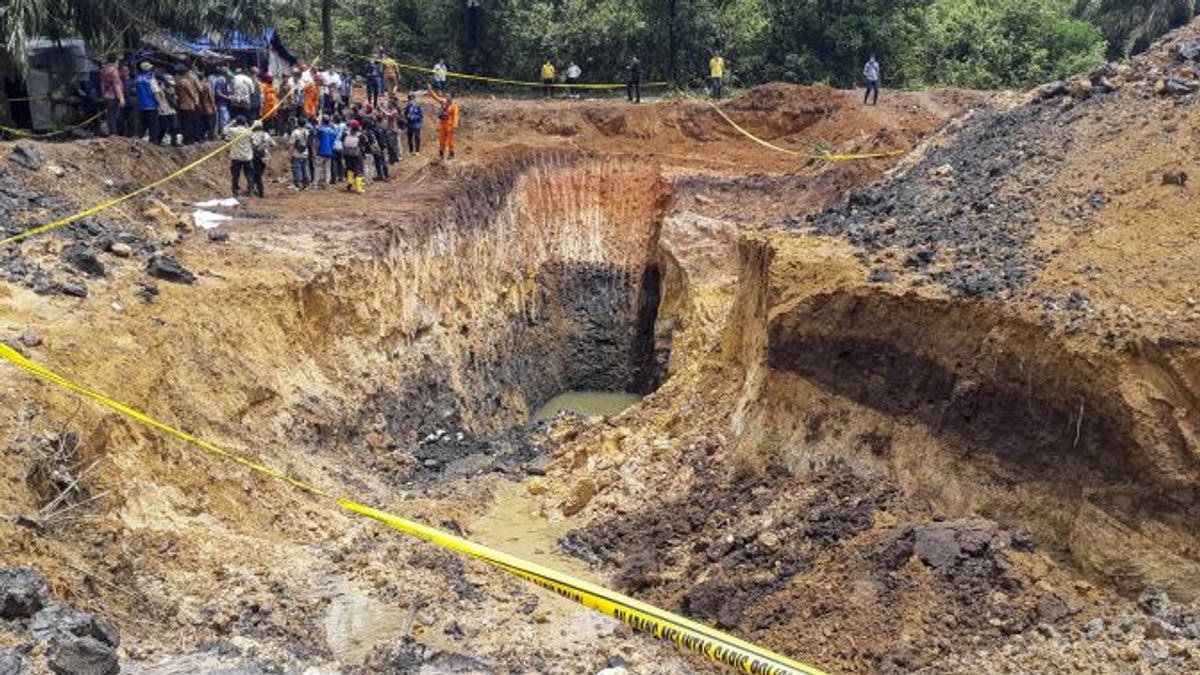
(1131, 25)
(109, 22)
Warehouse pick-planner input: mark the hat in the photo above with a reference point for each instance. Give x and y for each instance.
(145, 65)
(267, 78)
(354, 124)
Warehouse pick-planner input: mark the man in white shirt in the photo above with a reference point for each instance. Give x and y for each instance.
(333, 90)
(573, 74)
(241, 91)
(439, 76)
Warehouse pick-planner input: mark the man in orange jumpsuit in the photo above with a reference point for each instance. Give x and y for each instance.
(269, 98)
(448, 116)
(312, 97)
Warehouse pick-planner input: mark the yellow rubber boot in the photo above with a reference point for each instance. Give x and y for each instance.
(358, 184)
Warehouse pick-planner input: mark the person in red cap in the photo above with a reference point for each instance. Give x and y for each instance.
(352, 155)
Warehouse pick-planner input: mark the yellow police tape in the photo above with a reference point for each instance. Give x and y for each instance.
(29, 134)
(695, 637)
(500, 80)
(142, 190)
(797, 153)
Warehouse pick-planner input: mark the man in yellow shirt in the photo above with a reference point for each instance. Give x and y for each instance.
(547, 78)
(716, 75)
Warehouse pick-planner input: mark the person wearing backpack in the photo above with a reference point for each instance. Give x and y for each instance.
(380, 147)
(261, 142)
(299, 137)
(412, 124)
(352, 154)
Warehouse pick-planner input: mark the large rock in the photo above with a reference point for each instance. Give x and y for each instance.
(71, 655)
(23, 592)
(60, 620)
(24, 154)
(83, 259)
(168, 269)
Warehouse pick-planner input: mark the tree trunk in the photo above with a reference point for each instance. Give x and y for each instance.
(672, 41)
(327, 30)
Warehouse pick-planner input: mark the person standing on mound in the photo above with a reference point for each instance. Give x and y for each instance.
(448, 122)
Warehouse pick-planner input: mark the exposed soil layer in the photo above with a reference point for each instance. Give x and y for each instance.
(870, 475)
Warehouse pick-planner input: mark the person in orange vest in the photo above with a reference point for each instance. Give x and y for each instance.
(448, 117)
(269, 99)
(312, 97)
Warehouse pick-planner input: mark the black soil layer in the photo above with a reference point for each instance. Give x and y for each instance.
(965, 215)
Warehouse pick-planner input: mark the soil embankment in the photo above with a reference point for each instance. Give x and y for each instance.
(854, 460)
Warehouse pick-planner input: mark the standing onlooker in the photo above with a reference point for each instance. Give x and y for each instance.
(871, 73)
(374, 75)
(241, 90)
(633, 83)
(147, 101)
(168, 120)
(287, 105)
(221, 91)
(447, 123)
(188, 94)
(378, 145)
(390, 113)
(716, 75)
(439, 76)
(333, 90)
(300, 139)
(241, 153)
(327, 136)
(413, 119)
(208, 109)
(261, 143)
(256, 95)
(339, 165)
(547, 79)
(347, 89)
(391, 74)
(312, 96)
(129, 113)
(352, 151)
(112, 90)
(270, 99)
(573, 74)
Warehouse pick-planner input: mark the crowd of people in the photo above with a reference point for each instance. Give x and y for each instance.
(331, 138)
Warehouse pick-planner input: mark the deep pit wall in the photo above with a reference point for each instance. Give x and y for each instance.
(974, 410)
(537, 277)
(528, 282)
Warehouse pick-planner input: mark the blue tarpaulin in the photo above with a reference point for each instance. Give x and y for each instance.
(233, 41)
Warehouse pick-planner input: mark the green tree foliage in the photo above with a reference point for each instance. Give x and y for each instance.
(974, 43)
(1000, 43)
(1131, 25)
(110, 23)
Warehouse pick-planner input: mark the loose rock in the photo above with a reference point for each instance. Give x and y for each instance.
(83, 259)
(168, 269)
(23, 592)
(24, 154)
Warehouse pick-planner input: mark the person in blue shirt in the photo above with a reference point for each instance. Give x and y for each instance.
(374, 73)
(413, 119)
(147, 102)
(220, 87)
(327, 137)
